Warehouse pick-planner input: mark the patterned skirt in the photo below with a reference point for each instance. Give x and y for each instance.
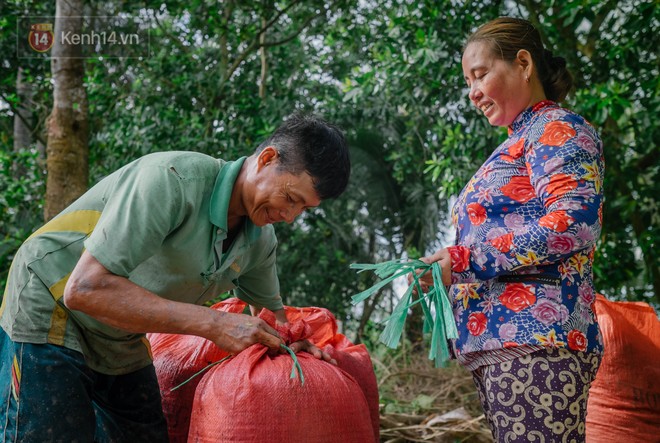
(540, 397)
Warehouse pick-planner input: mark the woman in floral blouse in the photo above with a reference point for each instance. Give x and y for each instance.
(526, 224)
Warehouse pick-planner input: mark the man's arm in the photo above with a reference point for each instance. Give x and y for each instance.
(122, 304)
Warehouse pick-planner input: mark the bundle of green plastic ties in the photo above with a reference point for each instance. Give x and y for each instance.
(438, 314)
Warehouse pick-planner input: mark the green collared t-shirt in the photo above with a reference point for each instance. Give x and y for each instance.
(160, 221)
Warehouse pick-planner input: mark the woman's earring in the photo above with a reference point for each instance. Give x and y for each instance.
(527, 78)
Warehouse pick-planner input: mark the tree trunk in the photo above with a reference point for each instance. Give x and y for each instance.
(23, 121)
(264, 61)
(67, 150)
(27, 131)
(23, 117)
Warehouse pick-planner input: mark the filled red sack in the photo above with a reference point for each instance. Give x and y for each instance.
(624, 399)
(321, 330)
(251, 397)
(176, 359)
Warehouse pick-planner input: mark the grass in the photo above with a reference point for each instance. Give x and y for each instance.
(422, 403)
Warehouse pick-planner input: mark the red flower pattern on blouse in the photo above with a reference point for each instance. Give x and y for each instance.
(460, 258)
(477, 213)
(557, 133)
(560, 184)
(517, 296)
(519, 189)
(577, 341)
(477, 323)
(504, 242)
(557, 221)
(515, 151)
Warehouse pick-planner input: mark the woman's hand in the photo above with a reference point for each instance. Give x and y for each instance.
(443, 258)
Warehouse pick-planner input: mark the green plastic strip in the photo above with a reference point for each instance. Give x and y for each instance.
(204, 369)
(295, 369)
(296, 365)
(438, 314)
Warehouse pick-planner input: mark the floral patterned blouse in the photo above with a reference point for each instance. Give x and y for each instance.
(527, 224)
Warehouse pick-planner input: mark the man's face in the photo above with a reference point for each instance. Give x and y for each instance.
(280, 196)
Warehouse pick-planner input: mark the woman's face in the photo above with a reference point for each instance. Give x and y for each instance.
(497, 88)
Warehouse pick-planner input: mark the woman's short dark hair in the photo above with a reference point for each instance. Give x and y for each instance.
(307, 143)
(508, 35)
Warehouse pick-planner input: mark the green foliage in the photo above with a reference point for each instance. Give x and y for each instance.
(613, 54)
(21, 202)
(36, 73)
(313, 264)
(389, 73)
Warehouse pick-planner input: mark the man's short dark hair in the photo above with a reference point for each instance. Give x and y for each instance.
(307, 143)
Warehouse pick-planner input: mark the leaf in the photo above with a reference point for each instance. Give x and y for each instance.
(423, 401)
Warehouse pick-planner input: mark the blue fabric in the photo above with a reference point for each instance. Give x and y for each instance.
(59, 399)
(526, 228)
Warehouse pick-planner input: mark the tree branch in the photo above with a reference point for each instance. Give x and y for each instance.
(276, 18)
(255, 43)
(532, 8)
(224, 51)
(264, 65)
(594, 31)
(294, 35)
(31, 126)
(171, 36)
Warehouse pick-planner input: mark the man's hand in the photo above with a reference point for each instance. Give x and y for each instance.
(307, 346)
(236, 332)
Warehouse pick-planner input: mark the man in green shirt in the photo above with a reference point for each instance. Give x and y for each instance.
(140, 252)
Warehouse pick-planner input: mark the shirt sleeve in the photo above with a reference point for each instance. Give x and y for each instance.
(142, 207)
(259, 286)
(565, 168)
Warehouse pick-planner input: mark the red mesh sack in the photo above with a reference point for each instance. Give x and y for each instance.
(251, 397)
(177, 358)
(321, 330)
(624, 399)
